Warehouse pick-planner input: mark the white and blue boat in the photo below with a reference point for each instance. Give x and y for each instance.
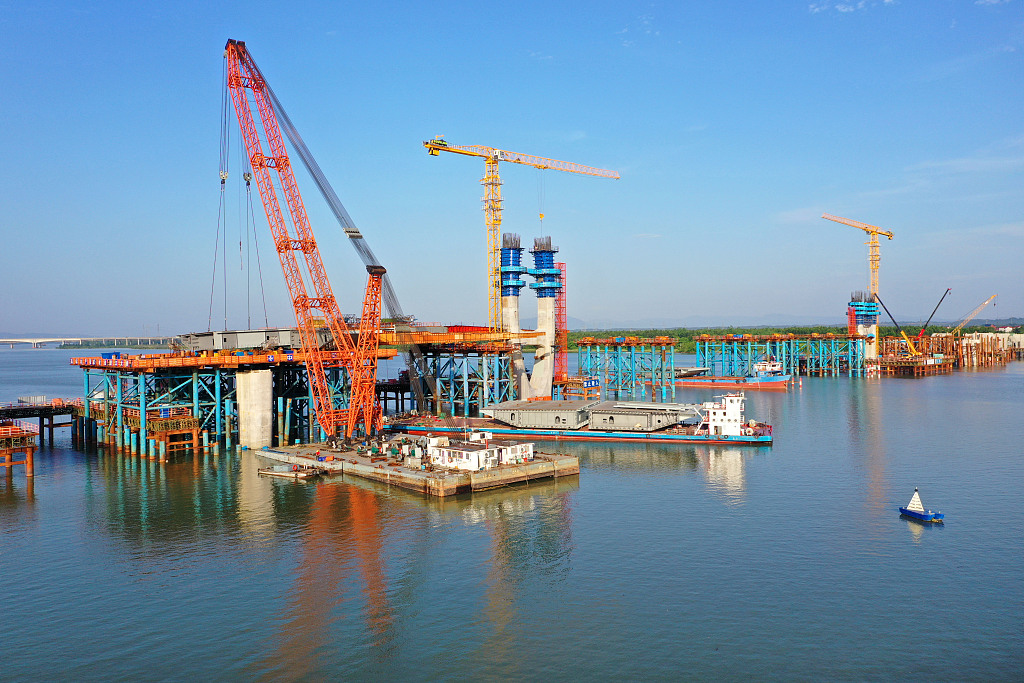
(916, 511)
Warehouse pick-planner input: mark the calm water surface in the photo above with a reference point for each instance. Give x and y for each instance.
(657, 562)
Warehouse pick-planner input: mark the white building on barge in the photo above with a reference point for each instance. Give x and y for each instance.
(480, 452)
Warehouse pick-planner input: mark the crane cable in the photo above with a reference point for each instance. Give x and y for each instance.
(222, 205)
(540, 198)
(251, 221)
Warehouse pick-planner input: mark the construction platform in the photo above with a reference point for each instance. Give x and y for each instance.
(913, 366)
(439, 483)
(629, 365)
(18, 437)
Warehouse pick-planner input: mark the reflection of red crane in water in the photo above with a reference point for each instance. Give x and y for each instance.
(344, 519)
(514, 552)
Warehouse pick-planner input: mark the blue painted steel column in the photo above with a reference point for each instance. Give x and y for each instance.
(228, 405)
(465, 387)
(142, 409)
(485, 397)
(119, 443)
(311, 423)
(218, 425)
(85, 394)
(195, 394)
(288, 420)
(281, 437)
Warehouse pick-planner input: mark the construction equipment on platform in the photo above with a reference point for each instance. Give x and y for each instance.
(925, 326)
(911, 349)
(358, 358)
(874, 253)
(492, 201)
(973, 314)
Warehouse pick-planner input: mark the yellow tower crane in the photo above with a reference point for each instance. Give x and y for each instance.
(492, 201)
(874, 253)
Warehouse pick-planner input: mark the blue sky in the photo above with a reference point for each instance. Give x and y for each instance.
(734, 125)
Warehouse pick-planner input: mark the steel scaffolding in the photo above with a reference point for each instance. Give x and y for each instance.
(154, 410)
(825, 355)
(627, 365)
(468, 379)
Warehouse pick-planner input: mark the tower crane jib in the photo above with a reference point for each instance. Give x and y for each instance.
(874, 251)
(493, 201)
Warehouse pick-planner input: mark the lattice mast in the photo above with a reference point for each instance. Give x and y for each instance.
(311, 312)
(493, 202)
(561, 373)
(365, 408)
(874, 251)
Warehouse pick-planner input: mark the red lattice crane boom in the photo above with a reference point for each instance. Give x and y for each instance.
(311, 312)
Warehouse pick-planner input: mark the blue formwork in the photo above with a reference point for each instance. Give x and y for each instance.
(865, 312)
(512, 271)
(549, 277)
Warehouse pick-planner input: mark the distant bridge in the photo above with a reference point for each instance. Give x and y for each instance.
(39, 342)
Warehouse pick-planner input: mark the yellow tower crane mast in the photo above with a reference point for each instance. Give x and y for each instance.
(492, 201)
(874, 253)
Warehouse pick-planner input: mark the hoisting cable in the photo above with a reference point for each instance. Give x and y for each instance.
(222, 207)
(256, 240)
(540, 198)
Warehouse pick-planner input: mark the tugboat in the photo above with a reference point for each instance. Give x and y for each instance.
(916, 511)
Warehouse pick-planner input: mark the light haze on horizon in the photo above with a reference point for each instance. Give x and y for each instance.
(734, 126)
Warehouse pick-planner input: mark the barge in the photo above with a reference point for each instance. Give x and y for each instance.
(439, 466)
(713, 422)
(766, 375)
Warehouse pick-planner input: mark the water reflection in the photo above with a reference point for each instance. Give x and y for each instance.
(724, 472)
(15, 490)
(341, 550)
(723, 467)
(637, 457)
(319, 553)
(146, 502)
(918, 528)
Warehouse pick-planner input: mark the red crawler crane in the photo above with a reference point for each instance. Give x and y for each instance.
(311, 312)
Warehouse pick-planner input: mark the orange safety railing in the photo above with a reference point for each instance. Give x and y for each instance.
(18, 428)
